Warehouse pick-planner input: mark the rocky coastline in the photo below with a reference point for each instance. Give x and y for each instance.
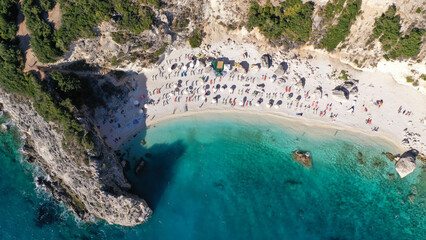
(97, 190)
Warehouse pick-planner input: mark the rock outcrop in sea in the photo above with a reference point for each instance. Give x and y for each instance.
(407, 163)
(98, 189)
(303, 158)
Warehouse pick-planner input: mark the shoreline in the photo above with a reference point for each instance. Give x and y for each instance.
(309, 123)
(320, 70)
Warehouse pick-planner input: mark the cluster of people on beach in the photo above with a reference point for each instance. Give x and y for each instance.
(184, 82)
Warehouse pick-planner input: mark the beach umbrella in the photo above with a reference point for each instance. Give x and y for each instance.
(136, 102)
(184, 68)
(257, 104)
(276, 106)
(203, 90)
(140, 111)
(169, 70)
(215, 90)
(145, 105)
(185, 92)
(222, 89)
(241, 103)
(197, 64)
(230, 90)
(268, 105)
(214, 100)
(172, 94)
(203, 97)
(191, 65)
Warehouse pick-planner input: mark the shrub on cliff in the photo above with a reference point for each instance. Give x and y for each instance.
(195, 39)
(42, 42)
(8, 13)
(133, 17)
(337, 33)
(291, 19)
(387, 29)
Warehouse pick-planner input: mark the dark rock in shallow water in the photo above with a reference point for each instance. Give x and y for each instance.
(125, 164)
(390, 175)
(148, 155)
(303, 157)
(389, 155)
(360, 158)
(48, 213)
(140, 166)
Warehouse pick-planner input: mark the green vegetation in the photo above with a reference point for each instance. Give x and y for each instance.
(134, 17)
(387, 29)
(290, 20)
(344, 75)
(180, 23)
(161, 50)
(8, 13)
(154, 3)
(13, 80)
(47, 5)
(79, 17)
(423, 76)
(42, 42)
(120, 37)
(408, 46)
(418, 10)
(337, 33)
(409, 79)
(332, 8)
(80, 65)
(195, 39)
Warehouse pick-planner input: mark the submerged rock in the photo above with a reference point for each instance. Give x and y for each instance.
(141, 165)
(360, 158)
(407, 163)
(389, 155)
(390, 176)
(303, 157)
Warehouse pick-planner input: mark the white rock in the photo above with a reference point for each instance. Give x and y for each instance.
(405, 166)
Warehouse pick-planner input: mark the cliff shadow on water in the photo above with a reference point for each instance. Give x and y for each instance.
(151, 169)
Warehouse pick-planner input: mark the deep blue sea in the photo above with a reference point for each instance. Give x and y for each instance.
(221, 177)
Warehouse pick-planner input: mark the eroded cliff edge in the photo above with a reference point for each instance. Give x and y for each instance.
(97, 189)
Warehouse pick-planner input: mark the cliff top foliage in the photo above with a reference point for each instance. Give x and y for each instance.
(290, 20)
(195, 39)
(387, 29)
(49, 44)
(347, 15)
(14, 80)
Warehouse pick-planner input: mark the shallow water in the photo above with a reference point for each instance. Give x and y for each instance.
(234, 178)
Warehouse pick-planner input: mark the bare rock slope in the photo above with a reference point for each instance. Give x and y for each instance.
(97, 189)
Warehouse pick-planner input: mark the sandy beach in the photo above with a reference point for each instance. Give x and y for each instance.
(307, 87)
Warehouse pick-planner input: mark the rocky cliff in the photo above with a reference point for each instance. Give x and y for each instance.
(94, 190)
(221, 20)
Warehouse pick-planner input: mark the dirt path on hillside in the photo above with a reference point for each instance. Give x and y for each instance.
(23, 34)
(55, 16)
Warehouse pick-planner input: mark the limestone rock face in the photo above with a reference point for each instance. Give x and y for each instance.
(407, 163)
(98, 189)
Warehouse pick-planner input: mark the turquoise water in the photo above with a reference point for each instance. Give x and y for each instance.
(235, 179)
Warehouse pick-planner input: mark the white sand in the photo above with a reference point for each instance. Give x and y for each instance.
(318, 71)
